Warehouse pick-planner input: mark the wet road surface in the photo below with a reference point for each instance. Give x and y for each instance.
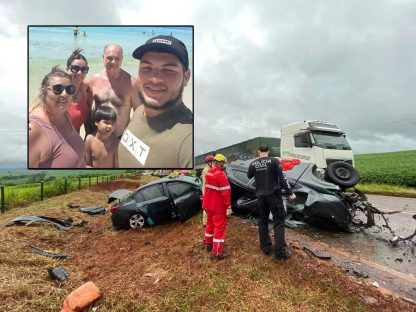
(369, 249)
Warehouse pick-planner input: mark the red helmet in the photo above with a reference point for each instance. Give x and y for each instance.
(209, 158)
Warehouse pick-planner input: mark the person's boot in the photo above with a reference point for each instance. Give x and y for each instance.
(221, 256)
(208, 247)
(286, 254)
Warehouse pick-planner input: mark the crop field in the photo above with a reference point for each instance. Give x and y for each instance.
(397, 168)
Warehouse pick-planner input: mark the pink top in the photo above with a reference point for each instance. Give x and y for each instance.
(62, 153)
(79, 113)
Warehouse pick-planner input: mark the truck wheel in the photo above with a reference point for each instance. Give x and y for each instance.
(342, 174)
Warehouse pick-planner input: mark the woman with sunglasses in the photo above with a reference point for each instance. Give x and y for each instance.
(80, 108)
(53, 140)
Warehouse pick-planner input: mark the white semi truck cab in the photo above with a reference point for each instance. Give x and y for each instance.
(322, 144)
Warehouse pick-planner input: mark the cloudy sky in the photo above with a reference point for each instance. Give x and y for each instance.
(256, 67)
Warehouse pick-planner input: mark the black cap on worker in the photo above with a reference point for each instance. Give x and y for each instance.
(166, 44)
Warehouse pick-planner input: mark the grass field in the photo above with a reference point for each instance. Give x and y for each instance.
(395, 169)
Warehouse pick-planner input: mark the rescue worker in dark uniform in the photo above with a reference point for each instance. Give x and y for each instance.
(217, 203)
(270, 179)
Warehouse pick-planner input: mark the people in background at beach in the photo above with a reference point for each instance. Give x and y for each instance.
(115, 87)
(160, 132)
(80, 107)
(53, 140)
(75, 30)
(84, 33)
(101, 148)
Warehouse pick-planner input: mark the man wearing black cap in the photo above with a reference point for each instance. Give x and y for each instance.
(160, 131)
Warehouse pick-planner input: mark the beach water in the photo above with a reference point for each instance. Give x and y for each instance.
(50, 46)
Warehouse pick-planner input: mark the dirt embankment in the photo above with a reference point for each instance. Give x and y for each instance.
(166, 268)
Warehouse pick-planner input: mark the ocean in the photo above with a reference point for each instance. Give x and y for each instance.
(52, 45)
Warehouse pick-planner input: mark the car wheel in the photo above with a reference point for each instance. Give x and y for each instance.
(136, 221)
(342, 174)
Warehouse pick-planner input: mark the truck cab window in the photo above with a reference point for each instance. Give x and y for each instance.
(302, 140)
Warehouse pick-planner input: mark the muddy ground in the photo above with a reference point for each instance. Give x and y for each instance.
(166, 268)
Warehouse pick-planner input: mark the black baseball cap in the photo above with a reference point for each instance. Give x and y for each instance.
(166, 44)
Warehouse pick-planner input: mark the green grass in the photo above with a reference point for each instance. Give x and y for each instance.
(393, 169)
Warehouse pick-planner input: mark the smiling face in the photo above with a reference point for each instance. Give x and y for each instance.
(57, 104)
(161, 80)
(76, 73)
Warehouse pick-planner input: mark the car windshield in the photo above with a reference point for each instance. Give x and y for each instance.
(330, 140)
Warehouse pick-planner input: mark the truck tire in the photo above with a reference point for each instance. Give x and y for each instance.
(342, 174)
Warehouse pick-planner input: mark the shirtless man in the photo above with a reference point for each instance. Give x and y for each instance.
(115, 87)
(100, 150)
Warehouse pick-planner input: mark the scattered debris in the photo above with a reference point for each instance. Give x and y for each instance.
(72, 205)
(398, 259)
(119, 194)
(59, 274)
(375, 284)
(63, 225)
(54, 255)
(93, 210)
(310, 252)
(370, 300)
(81, 297)
(408, 300)
(80, 223)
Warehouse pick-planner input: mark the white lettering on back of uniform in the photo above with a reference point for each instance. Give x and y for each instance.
(135, 146)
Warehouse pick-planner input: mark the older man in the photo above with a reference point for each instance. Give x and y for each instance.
(160, 132)
(115, 87)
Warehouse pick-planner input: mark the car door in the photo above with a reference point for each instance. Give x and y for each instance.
(156, 205)
(186, 198)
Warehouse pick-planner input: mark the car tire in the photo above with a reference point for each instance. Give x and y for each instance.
(342, 174)
(137, 221)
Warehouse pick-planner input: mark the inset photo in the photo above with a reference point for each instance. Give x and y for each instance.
(110, 97)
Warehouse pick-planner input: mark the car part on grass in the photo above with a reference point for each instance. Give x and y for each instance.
(158, 202)
(59, 274)
(93, 210)
(118, 194)
(81, 297)
(72, 205)
(54, 255)
(63, 225)
(310, 252)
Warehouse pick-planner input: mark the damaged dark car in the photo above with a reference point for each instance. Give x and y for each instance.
(158, 202)
(318, 202)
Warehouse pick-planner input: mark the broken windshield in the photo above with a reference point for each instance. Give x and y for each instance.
(331, 140)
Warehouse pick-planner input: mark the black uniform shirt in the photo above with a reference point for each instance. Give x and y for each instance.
(269, 176)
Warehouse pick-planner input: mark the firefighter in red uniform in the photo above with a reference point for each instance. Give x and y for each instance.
(217, 203)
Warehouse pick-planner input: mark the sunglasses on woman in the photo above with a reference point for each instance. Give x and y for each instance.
(75, 69)
(58, 89)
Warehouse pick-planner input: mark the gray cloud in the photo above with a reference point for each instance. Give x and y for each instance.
(351, 64)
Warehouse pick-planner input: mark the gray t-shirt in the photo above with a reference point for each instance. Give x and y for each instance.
(163, 141)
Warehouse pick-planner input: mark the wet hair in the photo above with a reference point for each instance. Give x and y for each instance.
(105, 113)
(55, 72)
(76, 55)
(263, 148)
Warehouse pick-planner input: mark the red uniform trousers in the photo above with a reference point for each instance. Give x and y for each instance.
(215, 231)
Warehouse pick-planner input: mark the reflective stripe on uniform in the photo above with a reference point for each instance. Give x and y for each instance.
(209, 235)
(217, 240)
(221, 188)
